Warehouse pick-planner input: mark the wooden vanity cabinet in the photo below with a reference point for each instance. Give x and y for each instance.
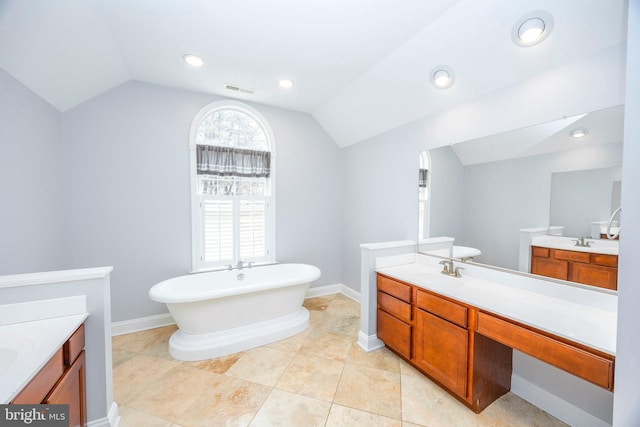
(61, 381)
(394, 315)
(581, 267)
(438, 338)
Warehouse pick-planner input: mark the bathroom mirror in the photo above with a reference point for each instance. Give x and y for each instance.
(483, 192)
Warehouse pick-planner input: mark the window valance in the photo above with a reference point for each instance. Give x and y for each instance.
(227, 161)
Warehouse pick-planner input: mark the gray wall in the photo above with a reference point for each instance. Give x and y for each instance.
(580, 197)
(31, 194)
(126, 179)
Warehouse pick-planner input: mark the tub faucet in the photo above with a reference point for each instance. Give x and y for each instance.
(240, 264)
(449, 269)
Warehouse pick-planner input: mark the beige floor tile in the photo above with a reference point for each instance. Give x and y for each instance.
(175, 392)
(341, 416)
(381, 358)
(343, 305)
(511, 410)
(319, 303)
(140, 341)
(218, 365)
(312, 376)
(408, 424)
(425, 403)
(371, 390)
(327, 345)
(287, 409)
(340, 324)
(226, 402)
(130, 417)
(406, 369)
(119, 356)
(262, 365)
(134, 376)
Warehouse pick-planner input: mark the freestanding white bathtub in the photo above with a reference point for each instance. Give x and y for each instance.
(224, 312)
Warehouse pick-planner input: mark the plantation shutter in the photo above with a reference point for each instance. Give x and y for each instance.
(218, 230)
(252, 228)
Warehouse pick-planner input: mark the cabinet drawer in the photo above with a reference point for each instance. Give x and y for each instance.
(606, 260)
(397, 289)
(391, 305)
(74, 346)
(441, 307)
(394, 333)
(43, 382)
(583, 364)
(540, 252)
(572, 256)
(550, 267)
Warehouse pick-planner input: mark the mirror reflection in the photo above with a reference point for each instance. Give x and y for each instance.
(538, 199)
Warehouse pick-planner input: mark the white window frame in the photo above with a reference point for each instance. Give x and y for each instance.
(197, 242)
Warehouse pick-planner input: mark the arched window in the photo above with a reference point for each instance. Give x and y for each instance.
(232, 187)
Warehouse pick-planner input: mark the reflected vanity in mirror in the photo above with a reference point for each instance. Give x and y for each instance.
(538, 200)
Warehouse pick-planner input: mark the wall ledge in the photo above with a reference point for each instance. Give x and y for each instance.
(29, 279)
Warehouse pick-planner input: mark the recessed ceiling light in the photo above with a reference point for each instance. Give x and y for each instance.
(532, 28)
(578, 133)
(442, 76)
(285, 83)
(193, 60)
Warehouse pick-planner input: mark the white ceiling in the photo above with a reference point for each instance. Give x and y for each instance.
(603, 127)
(360, 68)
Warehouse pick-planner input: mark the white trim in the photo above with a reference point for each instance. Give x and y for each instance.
(369, 342)
(61, 276)
(554, 405)
(196, 249)
(111, 420)
(141, 324)
(160, 320)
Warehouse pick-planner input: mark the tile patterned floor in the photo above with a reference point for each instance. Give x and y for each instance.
(319, 377)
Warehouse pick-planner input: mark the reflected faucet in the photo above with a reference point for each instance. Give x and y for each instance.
(581, 242)
(450, 269)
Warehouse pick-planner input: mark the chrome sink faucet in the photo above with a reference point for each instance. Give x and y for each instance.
(450, 269)
(581, 242)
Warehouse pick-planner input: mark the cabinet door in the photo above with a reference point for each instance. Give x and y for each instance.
(394, 333)
(71, 390)
(595, 275)
(440, 349)
(549, 267)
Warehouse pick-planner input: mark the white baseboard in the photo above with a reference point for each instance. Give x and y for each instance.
(141, 324)
(111, 420)
(370, 342)
(157, 321)
(554, 405)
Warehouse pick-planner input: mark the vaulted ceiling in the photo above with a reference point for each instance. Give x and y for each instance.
(360, 68)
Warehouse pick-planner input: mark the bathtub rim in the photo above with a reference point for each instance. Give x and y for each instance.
(158, 294)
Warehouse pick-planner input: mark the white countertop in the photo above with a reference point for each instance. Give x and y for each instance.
(582, 323)
(30, 334)
(597, 246)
